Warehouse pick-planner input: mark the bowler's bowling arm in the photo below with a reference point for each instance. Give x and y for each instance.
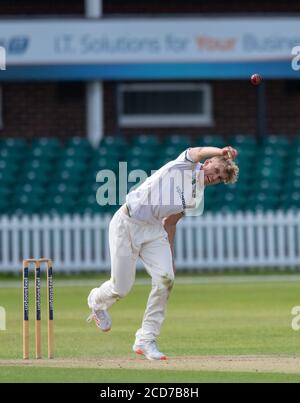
(198, 154)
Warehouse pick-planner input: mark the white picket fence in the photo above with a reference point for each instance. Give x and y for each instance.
(222, 241)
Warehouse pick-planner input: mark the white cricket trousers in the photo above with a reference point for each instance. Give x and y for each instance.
(130, 239)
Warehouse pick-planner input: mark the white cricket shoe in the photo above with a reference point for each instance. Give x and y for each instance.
(149, 350)
(102, 319)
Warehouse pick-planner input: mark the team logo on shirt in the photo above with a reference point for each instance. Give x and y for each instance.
(182, 198)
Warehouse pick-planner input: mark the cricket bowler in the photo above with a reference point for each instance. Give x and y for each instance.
(145, 228)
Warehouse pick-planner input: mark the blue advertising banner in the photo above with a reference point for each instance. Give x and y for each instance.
(192, 48)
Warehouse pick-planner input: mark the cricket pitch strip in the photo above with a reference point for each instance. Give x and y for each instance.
(265, 364)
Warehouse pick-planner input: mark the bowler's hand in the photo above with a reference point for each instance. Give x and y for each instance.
(229, 153)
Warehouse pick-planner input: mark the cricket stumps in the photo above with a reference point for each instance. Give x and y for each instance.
(37, 264)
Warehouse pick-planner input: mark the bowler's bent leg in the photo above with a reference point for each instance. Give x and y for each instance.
(123, 267)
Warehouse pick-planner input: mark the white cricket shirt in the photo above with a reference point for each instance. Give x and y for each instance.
(177, 187)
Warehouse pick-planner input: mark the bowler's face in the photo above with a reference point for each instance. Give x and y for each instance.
(214, 172)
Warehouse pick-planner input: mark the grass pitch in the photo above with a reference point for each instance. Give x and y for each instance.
(214, 332)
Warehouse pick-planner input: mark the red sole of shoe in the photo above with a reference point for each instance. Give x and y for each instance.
(140, 352)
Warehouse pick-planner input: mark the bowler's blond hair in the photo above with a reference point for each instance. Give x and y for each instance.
(231, 169)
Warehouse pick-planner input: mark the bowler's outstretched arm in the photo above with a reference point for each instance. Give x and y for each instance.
(170, 226)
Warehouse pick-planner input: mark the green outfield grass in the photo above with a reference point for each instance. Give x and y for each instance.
(211, 319)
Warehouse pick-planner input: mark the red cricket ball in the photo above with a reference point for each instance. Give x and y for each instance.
(256, 79)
